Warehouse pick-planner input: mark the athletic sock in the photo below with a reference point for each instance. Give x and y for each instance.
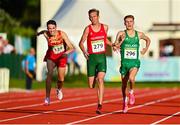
(131, 91)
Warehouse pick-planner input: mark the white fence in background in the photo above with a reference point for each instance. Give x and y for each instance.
(4, 80)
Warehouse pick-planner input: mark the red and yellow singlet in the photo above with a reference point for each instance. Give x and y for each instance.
(56, 47)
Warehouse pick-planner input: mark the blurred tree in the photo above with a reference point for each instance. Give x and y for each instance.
(11, 26)
(7, 21)
(24, 17)
(25, 11)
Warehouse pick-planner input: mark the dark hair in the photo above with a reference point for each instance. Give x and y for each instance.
(51, 22)
(93, 10)
(128, 16)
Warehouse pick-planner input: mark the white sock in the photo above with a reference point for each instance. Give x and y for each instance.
(126, 99)
(131, 91)
(59, 89)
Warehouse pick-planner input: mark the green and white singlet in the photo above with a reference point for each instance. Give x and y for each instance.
(129, 53)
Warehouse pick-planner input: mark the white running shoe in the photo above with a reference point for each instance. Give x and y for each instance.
(47, 101)
(59, 94)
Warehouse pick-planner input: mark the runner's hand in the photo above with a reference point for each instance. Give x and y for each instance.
(86, 55)
(114, 48)
(64, 55)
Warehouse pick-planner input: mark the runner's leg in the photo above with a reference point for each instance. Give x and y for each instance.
(91, 81)
(100, 79)
(50, 67)
(132, 75)
(100, 91)
(124, 85)
(60, 82)
(61, 74)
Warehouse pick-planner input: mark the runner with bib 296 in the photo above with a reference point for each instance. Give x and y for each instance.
(128, 42)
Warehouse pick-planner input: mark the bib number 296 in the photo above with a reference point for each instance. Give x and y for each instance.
(130, 53)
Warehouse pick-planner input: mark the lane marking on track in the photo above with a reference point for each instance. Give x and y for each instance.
(67, 100)
(138, 106)
(54, 102)
(32, 93)
(83, 106)
(177, 113)
(37, 96)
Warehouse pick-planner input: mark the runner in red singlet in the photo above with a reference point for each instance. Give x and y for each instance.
(59, 46)
(96, 36)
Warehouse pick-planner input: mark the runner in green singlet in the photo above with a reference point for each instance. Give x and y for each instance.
(128, 42)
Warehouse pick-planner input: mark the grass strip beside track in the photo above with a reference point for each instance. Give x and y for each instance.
(80, 81)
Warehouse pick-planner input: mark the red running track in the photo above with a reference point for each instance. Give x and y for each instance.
(153, 106)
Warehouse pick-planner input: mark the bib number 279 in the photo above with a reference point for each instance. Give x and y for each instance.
(98, 46)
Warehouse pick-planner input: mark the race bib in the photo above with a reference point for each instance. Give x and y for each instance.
(130, 53)
(98, 46)
(58, 49)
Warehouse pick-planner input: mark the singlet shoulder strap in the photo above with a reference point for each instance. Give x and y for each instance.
(59, 32)
(136, 33)
(102, 27)
(90, 28)
(126, 33)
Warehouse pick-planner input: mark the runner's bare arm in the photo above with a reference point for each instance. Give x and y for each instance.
(83, 39)
(147, 40)
(41, 32)
(107, 40)
(44, 32)
(119, 39)
(68, 43)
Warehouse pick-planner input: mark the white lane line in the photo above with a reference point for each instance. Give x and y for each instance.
(65, 100)
(138, 106)
(165, 118)
(35, 98)
(33, 93)
(57, 101)
(81, 106)
(38, 96)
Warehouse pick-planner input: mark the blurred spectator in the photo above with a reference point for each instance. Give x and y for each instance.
(1, 45)
(72, 58)
(7, 48)
(166, 50)
(30, 68)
